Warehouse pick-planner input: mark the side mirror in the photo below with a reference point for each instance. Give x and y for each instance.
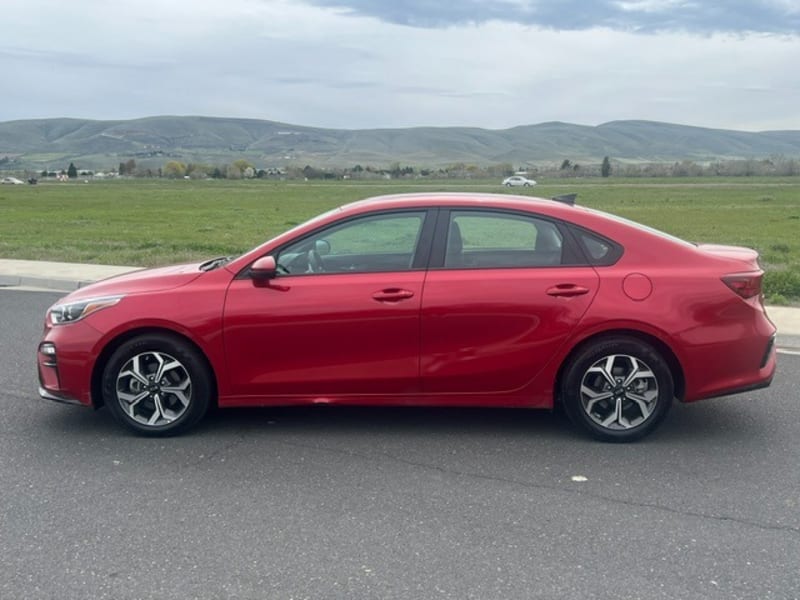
(264, 268)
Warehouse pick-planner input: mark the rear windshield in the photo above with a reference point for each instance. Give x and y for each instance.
(656, 232)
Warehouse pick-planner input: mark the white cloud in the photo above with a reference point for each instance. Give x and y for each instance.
(292, 62)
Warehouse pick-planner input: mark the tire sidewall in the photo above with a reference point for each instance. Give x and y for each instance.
(189, 358)
(586, 357)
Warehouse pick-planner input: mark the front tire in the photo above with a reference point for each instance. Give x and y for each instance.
(157, 385)
(617, 389)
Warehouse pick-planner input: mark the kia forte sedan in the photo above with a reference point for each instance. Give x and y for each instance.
(427, 300)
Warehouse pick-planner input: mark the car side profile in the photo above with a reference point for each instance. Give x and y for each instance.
(423, 299)
(518, 181)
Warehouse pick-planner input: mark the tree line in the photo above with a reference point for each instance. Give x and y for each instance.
(567, 168)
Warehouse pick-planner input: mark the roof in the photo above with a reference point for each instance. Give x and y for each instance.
(483, 200)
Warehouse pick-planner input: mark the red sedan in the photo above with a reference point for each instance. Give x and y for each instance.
(425, 299)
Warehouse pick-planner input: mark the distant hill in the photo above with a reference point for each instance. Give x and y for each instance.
(152, 141)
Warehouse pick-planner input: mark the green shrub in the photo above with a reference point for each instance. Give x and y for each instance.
(776, 300)
(784, 283)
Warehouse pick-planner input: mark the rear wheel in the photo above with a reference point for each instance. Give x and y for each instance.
(618, 389)
(157, 385)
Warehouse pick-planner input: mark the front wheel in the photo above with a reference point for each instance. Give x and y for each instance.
(617, 389)
(157, 385)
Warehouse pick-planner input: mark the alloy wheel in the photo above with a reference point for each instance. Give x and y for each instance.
(619, 392)
(154, 389)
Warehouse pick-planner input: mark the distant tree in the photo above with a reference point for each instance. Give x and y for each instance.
(130, 167)
(72, 171)
(566, 164)
(174, 169)
(44, 173)
(605, 168)
(121, 168)
(242, 165)
(358, 169)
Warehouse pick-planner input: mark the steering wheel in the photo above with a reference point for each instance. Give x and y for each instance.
(315, 261)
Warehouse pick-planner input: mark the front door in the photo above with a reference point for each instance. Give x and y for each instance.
(341, 318)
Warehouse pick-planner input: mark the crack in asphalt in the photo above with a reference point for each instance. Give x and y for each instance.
(555, 488)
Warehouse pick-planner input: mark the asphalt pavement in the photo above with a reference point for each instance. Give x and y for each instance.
(324, 502)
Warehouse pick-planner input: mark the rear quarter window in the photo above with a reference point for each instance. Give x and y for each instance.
(599, 250)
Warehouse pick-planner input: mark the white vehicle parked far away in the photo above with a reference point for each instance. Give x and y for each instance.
(518, 180)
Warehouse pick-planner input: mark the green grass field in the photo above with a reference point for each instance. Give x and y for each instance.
(155, 222)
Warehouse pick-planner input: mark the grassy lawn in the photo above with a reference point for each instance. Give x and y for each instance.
(154, 222)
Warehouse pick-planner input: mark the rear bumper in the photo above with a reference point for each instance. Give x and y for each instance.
(749, 370)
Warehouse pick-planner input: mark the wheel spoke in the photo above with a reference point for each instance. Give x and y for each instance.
(605, 370)
(132, 398)
(158, 413)
(639, 373)
(645, 406)
(613, 415)
(165, 366)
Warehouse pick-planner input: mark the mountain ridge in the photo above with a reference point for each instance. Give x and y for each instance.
(33, 143)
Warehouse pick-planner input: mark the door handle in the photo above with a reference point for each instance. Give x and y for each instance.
(567, 290)
(392, 295)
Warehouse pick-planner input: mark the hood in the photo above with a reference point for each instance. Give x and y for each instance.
(145, 280)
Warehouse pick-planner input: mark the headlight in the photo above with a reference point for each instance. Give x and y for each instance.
(69, 312)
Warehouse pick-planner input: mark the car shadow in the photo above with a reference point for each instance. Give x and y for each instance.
(707, 422)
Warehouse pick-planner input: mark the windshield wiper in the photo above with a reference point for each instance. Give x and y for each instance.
(214, 263)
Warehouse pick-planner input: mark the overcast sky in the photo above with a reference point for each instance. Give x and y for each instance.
(399, 63)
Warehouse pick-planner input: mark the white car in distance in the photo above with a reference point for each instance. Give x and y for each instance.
(518, 181)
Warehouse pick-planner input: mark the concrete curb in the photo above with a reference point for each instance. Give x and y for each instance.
(55, 276)
(44, 283)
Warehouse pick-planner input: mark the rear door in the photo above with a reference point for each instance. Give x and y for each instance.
(504, 292)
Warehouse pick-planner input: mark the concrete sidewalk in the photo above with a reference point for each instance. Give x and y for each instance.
(65, 277)
(54, 276)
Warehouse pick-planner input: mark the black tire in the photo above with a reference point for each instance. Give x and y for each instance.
(526, 185)
(152, 407)
(596, 398)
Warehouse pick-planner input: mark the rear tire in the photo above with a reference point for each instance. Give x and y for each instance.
(617, 389)
(157, 385)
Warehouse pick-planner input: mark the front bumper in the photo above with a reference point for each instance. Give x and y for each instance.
(65, 358)
(48, 395)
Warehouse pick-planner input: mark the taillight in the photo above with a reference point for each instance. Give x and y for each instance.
(745, 285)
